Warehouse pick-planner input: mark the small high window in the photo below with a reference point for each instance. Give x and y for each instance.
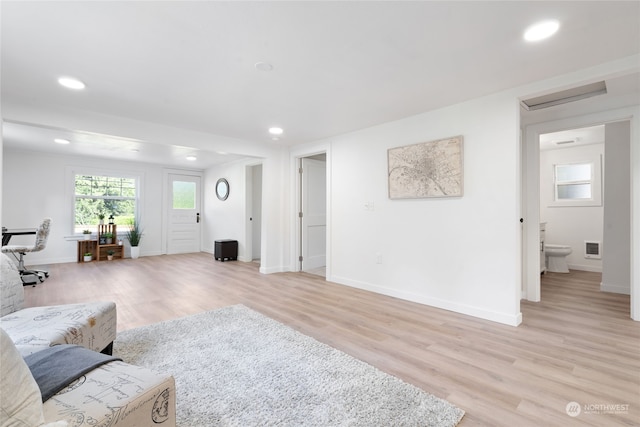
(573, 182)
(577, 184)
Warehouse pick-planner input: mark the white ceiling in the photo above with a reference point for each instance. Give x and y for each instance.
(572, 137)
(337, 66)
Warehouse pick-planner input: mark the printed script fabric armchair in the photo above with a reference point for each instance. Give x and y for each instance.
(115, 394)
(90, 325)
(42, 235)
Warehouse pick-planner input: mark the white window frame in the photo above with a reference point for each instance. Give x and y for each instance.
(595, 181)
(71, 179)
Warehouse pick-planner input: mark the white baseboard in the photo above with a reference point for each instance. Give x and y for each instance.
(504, 318)
(585, 268)
(270, 270)
(616, 289)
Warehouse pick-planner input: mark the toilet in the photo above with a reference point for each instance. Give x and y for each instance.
(556, 256)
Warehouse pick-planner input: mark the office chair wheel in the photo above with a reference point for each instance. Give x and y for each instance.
(46, 274)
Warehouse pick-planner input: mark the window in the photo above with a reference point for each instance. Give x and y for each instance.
(574, 181)
(577, 184)
(103, 195)
(184, 195)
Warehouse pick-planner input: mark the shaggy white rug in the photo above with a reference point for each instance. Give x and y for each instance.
(236, 367)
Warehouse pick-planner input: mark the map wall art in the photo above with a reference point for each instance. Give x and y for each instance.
(428, 169)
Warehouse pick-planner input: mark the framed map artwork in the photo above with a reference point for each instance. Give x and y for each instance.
(428, 169)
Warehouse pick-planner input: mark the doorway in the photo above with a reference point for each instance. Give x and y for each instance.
(313, 214)
(183, 213)
(253, 214)
(571, 202)
(616, 151)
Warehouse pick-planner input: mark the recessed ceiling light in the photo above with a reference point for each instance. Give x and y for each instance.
(263, 66)
(71, 83)
(541, 30)
(275, 131)
(192, 158)
(61, 141)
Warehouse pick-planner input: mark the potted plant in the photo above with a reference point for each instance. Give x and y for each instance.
(110, 253)
(134, 235)
(108, 237)
(88, 256)
(101, 218)
(87, 234)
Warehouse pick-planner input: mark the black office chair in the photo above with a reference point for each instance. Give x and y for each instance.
(31, 276)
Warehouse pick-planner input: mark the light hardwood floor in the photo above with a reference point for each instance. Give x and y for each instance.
(578, 344)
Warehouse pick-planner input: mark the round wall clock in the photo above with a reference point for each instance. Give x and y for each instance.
(222, 189)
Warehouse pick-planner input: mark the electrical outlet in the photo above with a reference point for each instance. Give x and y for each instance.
(378, 258)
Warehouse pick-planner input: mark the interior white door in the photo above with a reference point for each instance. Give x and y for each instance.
(314, 214)
(256, 212)
(183, 234)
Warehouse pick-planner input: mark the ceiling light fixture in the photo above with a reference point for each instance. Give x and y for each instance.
(275, 131)
(263, 66)
(541, 30)
(61, 141)
(71, 83)
(192, 158)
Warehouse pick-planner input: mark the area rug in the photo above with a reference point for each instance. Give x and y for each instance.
(236, 367)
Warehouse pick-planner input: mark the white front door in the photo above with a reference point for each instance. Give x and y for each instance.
(314, 214)
(183, 228)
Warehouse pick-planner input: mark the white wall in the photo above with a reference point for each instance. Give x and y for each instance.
(616, 275)
(461, 254)
(229, 219)
(225, 219)
(37, 185)
(570, 225)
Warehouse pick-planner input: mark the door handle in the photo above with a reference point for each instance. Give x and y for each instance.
(198, 218)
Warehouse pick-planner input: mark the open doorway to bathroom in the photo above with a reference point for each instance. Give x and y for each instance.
(585, 193)
(571, 203)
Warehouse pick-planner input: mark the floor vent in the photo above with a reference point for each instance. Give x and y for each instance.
(592, 250)
(564, 96)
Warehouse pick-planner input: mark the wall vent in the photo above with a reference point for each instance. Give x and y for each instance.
(592, 249)
(564, 96)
